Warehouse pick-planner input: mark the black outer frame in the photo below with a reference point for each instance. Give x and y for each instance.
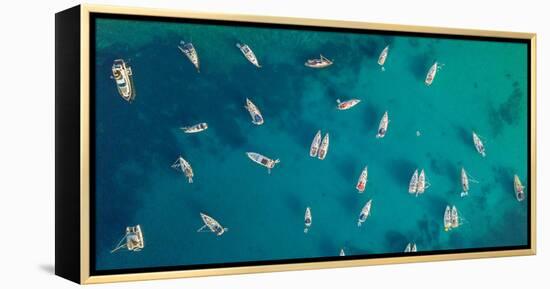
(68, 53)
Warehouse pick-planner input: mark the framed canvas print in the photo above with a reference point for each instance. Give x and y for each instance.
(193, 144)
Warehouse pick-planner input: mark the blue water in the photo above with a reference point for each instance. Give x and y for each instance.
(482, 87)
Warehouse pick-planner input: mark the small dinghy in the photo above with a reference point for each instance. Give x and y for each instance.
(447, 221)
(122, 74)
(182, 165)
(342, 253)
(478, 144)
(382, 57)
(413, 184)
(365, 212)
(189, 50)
(211, 225)
(383, 127)
(132, 240)
(307, 220)
(315, 144)
(318, 62)
(195, 128)
(347, 104)
(255, 113)
(431, 73)
(249, 54)
(518, 188)
(323, 149)
(363, 179)
(262, 160)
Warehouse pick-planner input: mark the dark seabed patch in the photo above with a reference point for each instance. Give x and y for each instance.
(508, 112)
(401, 170)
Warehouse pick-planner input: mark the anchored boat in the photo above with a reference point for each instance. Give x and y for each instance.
(318, 63)
(315, 144)
(454, 218)
(383, 127)
(465, 180)
(255, 113)
(347, 104)
(362, 182)
(184, 166)
(212, 225)
(518, 188)
(342, 253)
(132, 240)
(411, 248)
(189, 50)
(447, 221)
(431, 73)
(122, 74)
(323, 148)
(263, 160)
(365, 212)
(382, 57)
(478, 144)
(195, 128)
(307, 220)
(249, 54)
(413, 184)
(422, 184)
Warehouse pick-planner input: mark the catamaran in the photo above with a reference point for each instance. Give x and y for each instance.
(263, 160)
(307, 220)
(382, 57)
(195, 128)
(318, 63)
(323, 149)
(185, 167)
(422, 184)
(454, 218)
(363, 179)
(315, 144)
(255, 113)
(383, 127)
(411, 247)
(122, 74)
(249, 54)
(189, 50)
(431, 73)
(132, 240)
(342, 253)
(347, 104)
(413, 184)
(447, 221)
(478, 144)
(212, 225)
(365, 212)
(518, 188)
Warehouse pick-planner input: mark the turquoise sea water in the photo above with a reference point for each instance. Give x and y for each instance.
(482, 87)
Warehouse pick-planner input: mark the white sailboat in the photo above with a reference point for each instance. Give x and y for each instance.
(195, 128)
(383, 127)
(255, 113)
(365, 212)
(447, 221)
(347, 104)
(249, 54)
(478, 144)
(323, 149)
(307, 220)
(342, 253)
(189, 50)
(132, 240)
(422, 184)
(465, 179)
(184, 166)
(454, 218)
(411, 248)
(413, 184)
(430, 76)
(211, 225)
(315, 144)
(382, 57)
(519, 189)
(263, 160)
(321, 62)
(363, 179)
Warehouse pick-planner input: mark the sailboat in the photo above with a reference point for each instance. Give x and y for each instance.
(307, 220)
(315, 144)
(342, 253)
(382, 57)
(465, 180)
(185, 167)
(195, 128)
(454, 218)
(363, 179)
(212, 225)
(189, 50)
(122, 74)
(422, 184)
(431, 73)
(383, 127)
(255, 113)
(365, 212)
(478, 144)
(249, 54)
(413, 182)
(323, 149)
(318, 63)
(411, 248)
(518, 188)
(447, 222)
(263, 160)
(132, 240)
(347, 104)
